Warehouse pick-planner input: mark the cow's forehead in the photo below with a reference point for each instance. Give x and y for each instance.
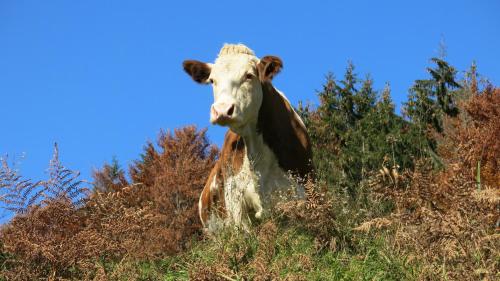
(234, 65)
(234, 60)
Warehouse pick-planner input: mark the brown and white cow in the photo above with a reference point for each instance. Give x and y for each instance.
(266, 141)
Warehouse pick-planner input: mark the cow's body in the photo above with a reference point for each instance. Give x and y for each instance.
(260, 153)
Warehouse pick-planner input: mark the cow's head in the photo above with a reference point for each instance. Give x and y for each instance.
(236, 78)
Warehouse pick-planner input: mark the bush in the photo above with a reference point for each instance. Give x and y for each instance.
(152, 217)
(448, 218)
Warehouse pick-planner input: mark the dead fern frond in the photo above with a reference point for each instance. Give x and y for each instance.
(63, 182)
(488, 196)
(18, 194)
(377, 223)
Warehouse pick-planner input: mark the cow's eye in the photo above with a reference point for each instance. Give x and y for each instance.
(249, 76)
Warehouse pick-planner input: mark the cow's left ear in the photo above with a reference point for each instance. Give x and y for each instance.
(268, 67)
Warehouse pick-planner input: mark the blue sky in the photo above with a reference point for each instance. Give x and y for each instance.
(102, 77)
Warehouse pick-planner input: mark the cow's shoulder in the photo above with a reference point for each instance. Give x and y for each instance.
(232, 154)
(211, 197)
(284, 132)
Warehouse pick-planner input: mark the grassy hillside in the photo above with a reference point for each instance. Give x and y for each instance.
(413, 197)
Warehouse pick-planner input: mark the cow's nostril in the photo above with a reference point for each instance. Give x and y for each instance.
(230, 111)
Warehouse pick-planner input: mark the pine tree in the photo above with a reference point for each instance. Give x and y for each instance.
(353, 131)
(365, 99)
(443, 82)
(347, 95)
(429, 101)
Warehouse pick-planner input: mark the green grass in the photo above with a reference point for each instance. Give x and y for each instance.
(294, 255)
(283, 248)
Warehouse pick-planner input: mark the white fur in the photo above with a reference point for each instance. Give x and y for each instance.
(253, 190)
(200, 209)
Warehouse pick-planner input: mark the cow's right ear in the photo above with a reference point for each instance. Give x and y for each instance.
(198, 70)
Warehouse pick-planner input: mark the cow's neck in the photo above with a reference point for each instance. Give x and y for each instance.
(272, 114)
(253, 140)
(279, 130)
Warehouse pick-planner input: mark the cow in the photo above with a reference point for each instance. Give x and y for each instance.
(266, 147)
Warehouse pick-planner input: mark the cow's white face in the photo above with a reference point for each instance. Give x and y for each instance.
(237, 90)
(236, 78)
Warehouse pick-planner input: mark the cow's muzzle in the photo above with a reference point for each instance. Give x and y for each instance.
(221, 113)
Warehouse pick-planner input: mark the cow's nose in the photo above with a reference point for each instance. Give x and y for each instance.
(221, 113)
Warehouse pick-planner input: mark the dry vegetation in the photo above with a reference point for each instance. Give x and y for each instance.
(428, 225)
(450, 219)
(152, 216)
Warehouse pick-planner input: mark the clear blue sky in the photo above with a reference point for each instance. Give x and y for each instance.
(102, 77)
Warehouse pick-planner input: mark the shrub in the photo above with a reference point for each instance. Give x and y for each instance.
(71, 234)
(449, 218)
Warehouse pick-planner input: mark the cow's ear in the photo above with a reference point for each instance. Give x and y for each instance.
(198, 70)
(268, 67)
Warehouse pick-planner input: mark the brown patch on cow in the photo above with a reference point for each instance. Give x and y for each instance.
(229, 163)
(213, 201)
(233, 153)
(283, 132)
(268, 67)
(206, 196)
(198, 70)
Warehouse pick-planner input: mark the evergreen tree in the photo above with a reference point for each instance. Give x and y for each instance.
(353, 131)
(431, 98)
(365, 99)
(443, 82)
(346, 95)
(428, 102)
